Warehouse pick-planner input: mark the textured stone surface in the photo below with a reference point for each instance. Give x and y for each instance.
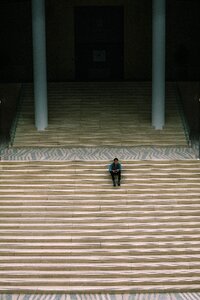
(100, 114)
(65, 228)
(98, 153)
(154, 296)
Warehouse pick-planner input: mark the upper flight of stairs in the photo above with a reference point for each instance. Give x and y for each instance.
(64, 228)
(99, 114)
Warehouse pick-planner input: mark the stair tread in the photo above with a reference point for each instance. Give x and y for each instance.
(60, 231)
(85, 116)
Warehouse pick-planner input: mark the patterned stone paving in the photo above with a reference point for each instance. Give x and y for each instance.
(98, 153)
(167, 296)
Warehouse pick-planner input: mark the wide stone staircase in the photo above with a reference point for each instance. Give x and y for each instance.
(64, 228)
(96, 114)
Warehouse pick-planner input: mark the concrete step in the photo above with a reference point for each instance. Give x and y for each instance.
(64, 228)
(99, 114)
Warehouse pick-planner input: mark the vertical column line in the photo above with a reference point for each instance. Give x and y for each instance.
(158, 63)
(39, 64)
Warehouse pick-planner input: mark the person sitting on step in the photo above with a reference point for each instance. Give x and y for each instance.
(115, 170)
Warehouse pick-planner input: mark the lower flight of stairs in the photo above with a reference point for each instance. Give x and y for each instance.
(65, 228)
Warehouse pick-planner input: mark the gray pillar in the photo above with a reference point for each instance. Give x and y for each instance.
(158, 64)
(39, 64)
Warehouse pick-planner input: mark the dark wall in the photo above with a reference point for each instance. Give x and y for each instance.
(190, 95)
(15, 41)
(99, 43)
(183, 44)
(182, 52)
(9, 95)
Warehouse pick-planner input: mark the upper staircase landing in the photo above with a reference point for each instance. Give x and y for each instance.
(99, 114)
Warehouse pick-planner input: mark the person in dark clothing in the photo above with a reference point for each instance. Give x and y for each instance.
(115, 171)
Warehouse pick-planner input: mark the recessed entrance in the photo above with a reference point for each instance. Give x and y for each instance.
(99, 42)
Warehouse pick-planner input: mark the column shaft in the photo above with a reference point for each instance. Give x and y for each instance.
(158, 64)
(39, 64)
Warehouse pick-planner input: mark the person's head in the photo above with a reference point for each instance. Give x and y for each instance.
(116, 160)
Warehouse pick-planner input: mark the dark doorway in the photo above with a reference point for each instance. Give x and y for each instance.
(99, 42)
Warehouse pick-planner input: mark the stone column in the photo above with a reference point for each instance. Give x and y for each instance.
(39, 64)
(158, 64)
